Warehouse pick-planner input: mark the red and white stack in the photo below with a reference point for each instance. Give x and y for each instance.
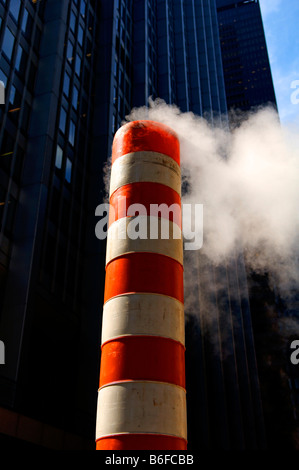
(142, 396)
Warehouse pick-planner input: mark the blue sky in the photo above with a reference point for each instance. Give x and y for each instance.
(281, 19)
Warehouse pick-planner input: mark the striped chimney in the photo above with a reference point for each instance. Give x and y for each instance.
(142, 396)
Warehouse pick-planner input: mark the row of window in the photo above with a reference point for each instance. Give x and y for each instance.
(15, 60)
(59, 160)
(60, 265)
(122, 63)
(71, 90)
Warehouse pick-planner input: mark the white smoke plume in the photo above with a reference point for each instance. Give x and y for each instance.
(247, 179)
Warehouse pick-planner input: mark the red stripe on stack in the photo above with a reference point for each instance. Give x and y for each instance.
(155, 360)
(144, 272)
(147, 194)
(141, 442)
(150, 136)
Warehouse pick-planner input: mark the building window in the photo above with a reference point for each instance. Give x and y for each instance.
(27, 24)
(8, 43)
(21, 60)
(80, 35)
(72, 132)
(75, 97)
(14, 8)
(24, 21)
(59, 157)
(62, 121)
(3, 77)
(68, 170)
(70, 51)
(73, 21)
(66, 84)
(12, 95)
(83, 8)
(78, 65)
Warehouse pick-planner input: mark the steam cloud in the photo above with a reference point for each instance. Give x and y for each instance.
(247, 179)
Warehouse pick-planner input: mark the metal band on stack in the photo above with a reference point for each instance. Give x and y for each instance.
(142, 397)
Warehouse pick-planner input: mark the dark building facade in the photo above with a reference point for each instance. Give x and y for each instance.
(249, 85)
(247, 72)
(49, 319)
(72, 70)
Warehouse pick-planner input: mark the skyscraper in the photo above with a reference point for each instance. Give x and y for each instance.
(249, 85)
(72, 70)
(49, 67)
(247, 72)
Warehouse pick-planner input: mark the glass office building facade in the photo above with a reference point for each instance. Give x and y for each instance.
(249, 85)
(72, 70)
(49, 316)
(247, 72)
